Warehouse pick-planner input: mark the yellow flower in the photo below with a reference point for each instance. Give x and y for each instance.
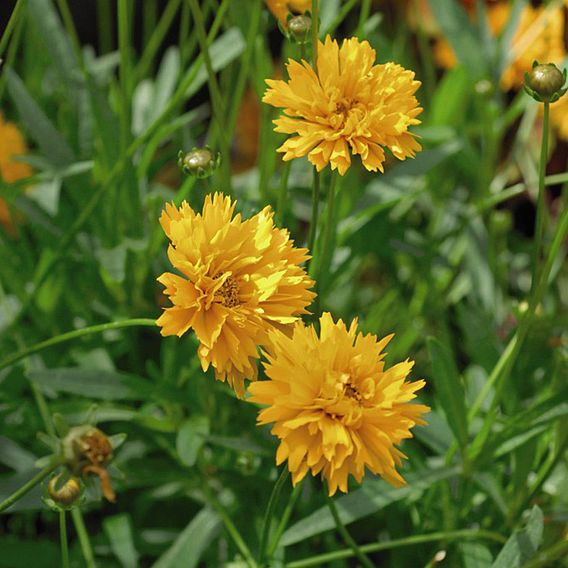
(281, 8)
(11, 144)
(559, 116)
(336, 408)
(539, 36)
(350, 107)
(239, 279)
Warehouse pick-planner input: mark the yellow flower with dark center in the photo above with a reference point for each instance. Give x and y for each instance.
(12, 144)
(337, 410)
(281, 8)
(350, 107)
(239, 279)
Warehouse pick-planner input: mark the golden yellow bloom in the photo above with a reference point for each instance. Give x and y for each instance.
(539, 36)
(11, 144)
(239, 279)
(336, 408)
(281, 8)
(350, 107)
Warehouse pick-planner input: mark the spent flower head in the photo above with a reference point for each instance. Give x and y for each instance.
(237, 279)
(336, 408)
(351, 106)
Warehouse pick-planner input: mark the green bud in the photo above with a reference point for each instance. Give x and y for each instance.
(299, 28)
(545, 82)
(64, 492)
(200, 162)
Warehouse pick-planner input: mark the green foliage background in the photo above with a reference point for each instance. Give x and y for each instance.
(428, 251)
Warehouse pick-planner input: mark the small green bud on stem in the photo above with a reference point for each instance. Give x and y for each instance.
(200, 162)
(545, 82)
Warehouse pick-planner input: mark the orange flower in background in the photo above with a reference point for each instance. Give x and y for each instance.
(337, 410)
(539, 36)
(559, 117)
(239, 279)
(12, 144)
(352, 106)
(281, 8)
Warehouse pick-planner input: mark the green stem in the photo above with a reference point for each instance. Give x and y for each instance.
(63, 540)
(363, 17)
(324, 259)
(315, 34)
(347, 538)
(125, 71)
(546, 557)
(315, 207)
(70, 28)
(540, 209)
(425, 53)
(283, 193)
(215, 93)
(284, 519)
(27, 487)
(231, 529)
(342, 14)
(276, 490)
(84, 539)
(41, 404)
(104, 25)
(74, 335)
(10, 26)
(324, 559)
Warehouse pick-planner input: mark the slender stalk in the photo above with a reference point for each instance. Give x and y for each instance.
(74, 335)
(345, 9)
(546, 557)
(315, 34)
(276, 490)
(363, 17)
(324, 259)
(315, 207)
(469, 534)
(84, 539)
(63, 540)
(215, 93)
(27, 487)
(540, 208)
(424, 51)
(347, 538)
(41, 404)
(283, 193)
(104, 25)
(10, 26)
(284, 519)
(231, 529)
(125, 71)
(70, 28)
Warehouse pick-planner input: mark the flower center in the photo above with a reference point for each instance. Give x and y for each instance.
(351, 392)
(228, 293)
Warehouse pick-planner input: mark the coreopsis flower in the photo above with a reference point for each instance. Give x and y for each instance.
(238, 280)
(12, 144)
(351, 106)
(281, 8)
(539, 36)
(337, 410)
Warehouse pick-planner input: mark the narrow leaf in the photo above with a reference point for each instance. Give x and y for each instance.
(119, 532)
(191, 438)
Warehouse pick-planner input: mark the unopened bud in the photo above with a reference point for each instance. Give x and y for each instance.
(299, 28)
(545, 82)
(200, 162)
(63, 492)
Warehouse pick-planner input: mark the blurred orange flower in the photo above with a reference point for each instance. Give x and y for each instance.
(281, 8)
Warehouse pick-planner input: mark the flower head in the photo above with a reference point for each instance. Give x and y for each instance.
(336, 409)
(12, 144)
(239, 279)
(281, 8)
(351, 106)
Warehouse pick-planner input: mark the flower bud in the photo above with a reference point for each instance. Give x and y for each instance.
(64, 493)
(545, 82)
(200, 162)
(299, 28)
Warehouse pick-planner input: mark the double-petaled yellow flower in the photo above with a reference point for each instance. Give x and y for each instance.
(237, 280)
(351, 106)
(337, 410)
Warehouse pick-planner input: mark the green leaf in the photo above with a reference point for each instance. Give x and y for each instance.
(97, 384)
(192, 541)
(373, 496)
(449, 389)
(522, 545)
(41, 129)
(191, 437)
(475, 555)
(14, 456)
(119, 532)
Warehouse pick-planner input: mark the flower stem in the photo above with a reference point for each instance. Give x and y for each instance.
(231, 528)
(269, 513)
(363, 17)
(73, 335)
(315, 211)
(63, 540)
(283, 193)
(284, 519)
(215, 93)
(540, 208)
(315, 34)
(27, 487)
(84, 539)
(347, 538)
